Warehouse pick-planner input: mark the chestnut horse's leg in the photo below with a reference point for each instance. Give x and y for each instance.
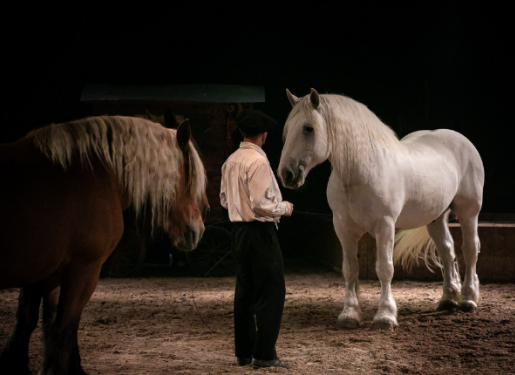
(61, 347)
(15, 356)
(50, 301)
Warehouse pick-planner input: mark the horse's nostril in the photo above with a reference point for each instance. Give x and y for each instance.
(190, 232)
(192, 235)
(288, 176)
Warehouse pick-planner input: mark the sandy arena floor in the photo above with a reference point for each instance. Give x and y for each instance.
(150, 325)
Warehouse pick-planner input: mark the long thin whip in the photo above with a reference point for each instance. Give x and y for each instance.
(203, 277)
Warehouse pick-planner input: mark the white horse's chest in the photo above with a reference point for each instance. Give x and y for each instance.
(410, 194)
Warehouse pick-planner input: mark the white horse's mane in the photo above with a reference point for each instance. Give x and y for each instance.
(145, 157)
(355, 133)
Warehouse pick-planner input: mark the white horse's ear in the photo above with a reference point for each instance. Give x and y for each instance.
(183, 134)
(292, 98)
(315, 100)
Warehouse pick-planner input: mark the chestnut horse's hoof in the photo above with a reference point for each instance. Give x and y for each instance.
(75, 367)
(10, 367)
(76, 371)
(12, 370)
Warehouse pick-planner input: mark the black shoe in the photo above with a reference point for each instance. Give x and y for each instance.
(269, 363)
(243, 361)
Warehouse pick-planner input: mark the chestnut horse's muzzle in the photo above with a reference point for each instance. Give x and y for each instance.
(190, 239)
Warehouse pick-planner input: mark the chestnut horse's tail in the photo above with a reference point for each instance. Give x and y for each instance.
(413, 245)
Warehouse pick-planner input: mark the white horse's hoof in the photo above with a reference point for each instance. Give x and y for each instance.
(467, 306)
(348, 323)
(447, 305)
(385, 323)
(383, 326)
(349, 320)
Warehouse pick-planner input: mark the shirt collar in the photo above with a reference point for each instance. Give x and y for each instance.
(252, 146)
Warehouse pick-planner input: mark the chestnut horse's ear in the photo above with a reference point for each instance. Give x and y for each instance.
(315, 100)
(292, 98)
(170, 120)
(153, 118)
(183, 134)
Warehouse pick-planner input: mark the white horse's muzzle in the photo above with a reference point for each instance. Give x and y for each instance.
(292, 178)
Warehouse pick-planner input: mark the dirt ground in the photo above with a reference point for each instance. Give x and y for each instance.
(151, 325)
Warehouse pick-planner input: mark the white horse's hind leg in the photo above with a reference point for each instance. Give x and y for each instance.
(471, 245)
(386, 316)
(350, 317)
(439, 232)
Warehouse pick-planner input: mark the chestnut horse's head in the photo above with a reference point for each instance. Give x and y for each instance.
(157, 168)
(190, 208)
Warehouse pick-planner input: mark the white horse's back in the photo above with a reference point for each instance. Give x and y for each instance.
(445, 171)
(448, 142)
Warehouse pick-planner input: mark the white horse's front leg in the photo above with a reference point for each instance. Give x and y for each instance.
(386, 316)
(350, 317)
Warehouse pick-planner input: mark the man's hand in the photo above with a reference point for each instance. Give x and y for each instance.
(291, 209)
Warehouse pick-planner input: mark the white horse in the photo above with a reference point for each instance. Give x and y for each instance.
(378, 184)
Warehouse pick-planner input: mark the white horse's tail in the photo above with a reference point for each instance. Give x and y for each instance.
(413, 245)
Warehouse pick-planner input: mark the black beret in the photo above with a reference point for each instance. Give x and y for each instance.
(252, 122)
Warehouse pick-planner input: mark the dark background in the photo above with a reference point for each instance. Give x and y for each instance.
(421, 66)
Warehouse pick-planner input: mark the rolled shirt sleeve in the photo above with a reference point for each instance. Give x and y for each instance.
(265, 197)
(223, 195)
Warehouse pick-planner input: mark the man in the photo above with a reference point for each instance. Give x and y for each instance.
(250, 192)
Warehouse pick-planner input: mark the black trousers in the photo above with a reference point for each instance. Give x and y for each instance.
(260, 289)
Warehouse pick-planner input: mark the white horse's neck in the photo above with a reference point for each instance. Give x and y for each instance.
(358, 140)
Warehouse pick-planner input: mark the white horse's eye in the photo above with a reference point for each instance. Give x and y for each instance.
(308, 129)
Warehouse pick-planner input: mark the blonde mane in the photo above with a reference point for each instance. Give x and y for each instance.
(144, 155)
(355, 134)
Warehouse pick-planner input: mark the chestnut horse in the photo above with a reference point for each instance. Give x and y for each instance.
(64, 188)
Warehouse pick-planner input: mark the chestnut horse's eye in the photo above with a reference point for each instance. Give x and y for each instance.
(308, 129)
